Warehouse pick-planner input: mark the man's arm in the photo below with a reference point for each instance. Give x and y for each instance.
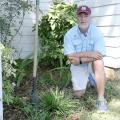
(93, 54)
(87, 60)
(84, 57)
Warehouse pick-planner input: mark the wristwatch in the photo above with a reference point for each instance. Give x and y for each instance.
(80, 62)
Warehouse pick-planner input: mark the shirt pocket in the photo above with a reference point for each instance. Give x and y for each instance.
(77, 45)
(90, 46)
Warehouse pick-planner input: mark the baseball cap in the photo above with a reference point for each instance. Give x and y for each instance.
(83, 9)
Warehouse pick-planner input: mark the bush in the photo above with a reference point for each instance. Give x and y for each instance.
(10, 10)
(52, 27)
(23, 70)
(9, 72)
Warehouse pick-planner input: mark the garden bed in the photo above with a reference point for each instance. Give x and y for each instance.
(51, 84)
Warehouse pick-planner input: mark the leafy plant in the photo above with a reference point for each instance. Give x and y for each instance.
(8, 63)
(22, 70)
(55, 103)
(52, 28)
(8, 92)
(11, 12)
(57, 77)
(60, 77)
(36, 114)
(32, 112)
(8, 72)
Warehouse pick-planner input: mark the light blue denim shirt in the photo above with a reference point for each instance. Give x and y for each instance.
(92, 40)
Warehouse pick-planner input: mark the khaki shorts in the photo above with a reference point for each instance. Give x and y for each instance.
(80, 75)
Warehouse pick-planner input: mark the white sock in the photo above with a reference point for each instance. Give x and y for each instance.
(101, 98)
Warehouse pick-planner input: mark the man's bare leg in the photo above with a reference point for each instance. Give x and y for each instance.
(98, 67)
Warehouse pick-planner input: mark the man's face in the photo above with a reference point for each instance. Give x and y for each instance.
(83, 21)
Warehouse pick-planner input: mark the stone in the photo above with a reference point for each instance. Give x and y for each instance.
(112, 73)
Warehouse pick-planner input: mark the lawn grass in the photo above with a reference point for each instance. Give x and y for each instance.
(113, 98)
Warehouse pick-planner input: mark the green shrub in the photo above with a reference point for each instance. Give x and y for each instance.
(8, 72)
(23, 70)
(52, 28)
(8, 90)
(14, 72)
(12, 12)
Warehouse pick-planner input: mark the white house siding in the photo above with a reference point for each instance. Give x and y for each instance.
(24, 41)
(105, 14)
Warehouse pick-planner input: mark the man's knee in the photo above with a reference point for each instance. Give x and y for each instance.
(79, 93)
(98, 65)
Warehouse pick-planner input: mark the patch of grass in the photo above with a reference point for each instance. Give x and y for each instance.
(56, 103)
(112, 89)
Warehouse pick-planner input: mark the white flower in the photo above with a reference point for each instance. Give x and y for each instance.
(1, 47)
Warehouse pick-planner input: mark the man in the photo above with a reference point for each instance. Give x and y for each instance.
(85, 49)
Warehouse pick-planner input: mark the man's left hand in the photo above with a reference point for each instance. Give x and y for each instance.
(74, 60)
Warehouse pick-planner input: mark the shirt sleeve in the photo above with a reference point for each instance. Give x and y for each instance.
(99, 43)
(68, 46)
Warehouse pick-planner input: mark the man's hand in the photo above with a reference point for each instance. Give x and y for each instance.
(74, 60)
